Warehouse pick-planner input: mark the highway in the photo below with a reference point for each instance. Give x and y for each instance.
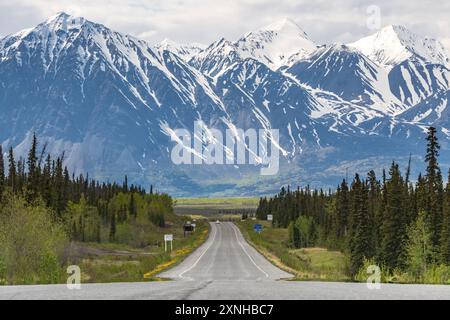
(226, 267)
(226, 256)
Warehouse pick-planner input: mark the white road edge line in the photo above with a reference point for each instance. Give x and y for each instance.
(201, 256)
(251, 259)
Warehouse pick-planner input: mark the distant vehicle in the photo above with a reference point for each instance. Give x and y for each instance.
(217, 222)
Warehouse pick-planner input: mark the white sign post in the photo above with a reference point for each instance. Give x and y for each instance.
(269, 217)
(168, 238)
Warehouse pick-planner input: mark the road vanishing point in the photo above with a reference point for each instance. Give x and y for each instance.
(226, 267)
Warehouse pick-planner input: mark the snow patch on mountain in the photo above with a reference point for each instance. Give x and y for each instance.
(276, 43)
(348, 73)
(216, 59)
(395, 44)
(184, 51)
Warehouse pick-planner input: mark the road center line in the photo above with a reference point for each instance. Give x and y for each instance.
(201, 256)
(251, 259)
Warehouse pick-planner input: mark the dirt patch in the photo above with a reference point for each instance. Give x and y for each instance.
(78, 250)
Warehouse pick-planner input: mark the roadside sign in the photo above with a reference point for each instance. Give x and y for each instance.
(269, 217)
(188, 228)
(257, 227)
(168, 238)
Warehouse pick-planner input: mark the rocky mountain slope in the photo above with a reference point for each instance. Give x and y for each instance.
(110, 101)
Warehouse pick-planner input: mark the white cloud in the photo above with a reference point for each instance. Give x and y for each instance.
(205, 21)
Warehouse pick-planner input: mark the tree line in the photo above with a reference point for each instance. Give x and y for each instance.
(90, 209)
(392, 221)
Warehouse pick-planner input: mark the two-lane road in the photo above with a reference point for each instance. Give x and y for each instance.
(226, 267)
(225, 256)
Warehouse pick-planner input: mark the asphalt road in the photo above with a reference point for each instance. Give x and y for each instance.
(226, 267)
(225, 256)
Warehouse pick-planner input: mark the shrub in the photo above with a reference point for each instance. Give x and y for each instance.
(437, 274)
(32, 243)
(307, 232)
(363, 273)
(419, 247)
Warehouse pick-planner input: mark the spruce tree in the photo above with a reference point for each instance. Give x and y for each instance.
(32, 181)
(343, 208)
(445, 234)
(2, 172)
(434, 186)
(360, 240)
(393, 229)
(132, 206)
(410, 215)
(20, 175)
(374, 212)
(421, 194)
(12, 170)
(125, 184)
(46, 181)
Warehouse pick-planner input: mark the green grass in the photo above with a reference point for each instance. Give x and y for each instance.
(118, 269)
(215, 208)
(110, 262)
(305, 264)
(322, 262)
(218, 203)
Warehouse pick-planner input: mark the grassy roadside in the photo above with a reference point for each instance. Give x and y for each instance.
(120, 263)
(221, 203)
(217, 207)
(178, 256)
(305, 264)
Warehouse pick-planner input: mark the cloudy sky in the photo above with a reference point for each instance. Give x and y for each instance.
(205, 21)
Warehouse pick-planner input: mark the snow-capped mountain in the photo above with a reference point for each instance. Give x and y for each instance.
(184, 51)
(111, 101)
(99, 95)
(349, 74)
(275, 44)
(412, 82)
(216, 58)
(394, 44)
(418, 66)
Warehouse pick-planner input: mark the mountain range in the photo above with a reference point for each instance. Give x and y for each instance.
(110, 101)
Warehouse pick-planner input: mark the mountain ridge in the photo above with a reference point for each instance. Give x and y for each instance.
(109, 101)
